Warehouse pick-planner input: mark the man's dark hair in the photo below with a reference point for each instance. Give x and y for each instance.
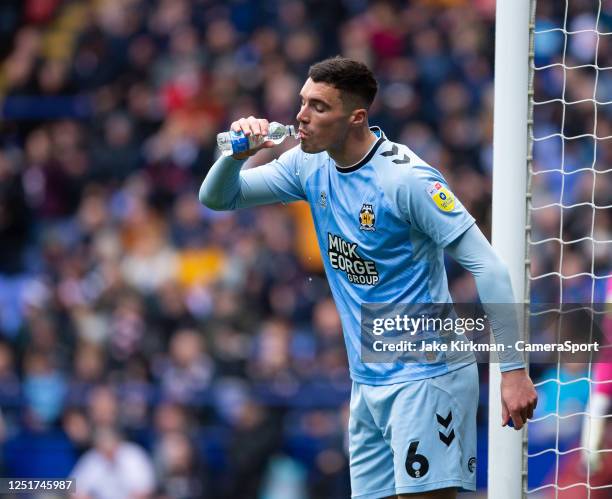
(353, 78)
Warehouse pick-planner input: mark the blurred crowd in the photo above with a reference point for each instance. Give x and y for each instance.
(201, 348)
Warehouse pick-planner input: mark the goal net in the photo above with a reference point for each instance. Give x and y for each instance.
(567, 448)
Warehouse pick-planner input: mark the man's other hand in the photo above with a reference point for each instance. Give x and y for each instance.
(519, 397)
(257, 128)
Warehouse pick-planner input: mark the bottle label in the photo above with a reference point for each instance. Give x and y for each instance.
(240, 142)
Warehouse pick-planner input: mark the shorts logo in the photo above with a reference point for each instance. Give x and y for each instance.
(343, 256)
(417, 465)
(446, 438)
(443, 198)
(366, 217)
(472, 464)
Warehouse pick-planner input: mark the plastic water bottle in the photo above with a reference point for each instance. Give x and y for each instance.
(236, 142)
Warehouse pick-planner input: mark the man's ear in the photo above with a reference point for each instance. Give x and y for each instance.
(359, 117)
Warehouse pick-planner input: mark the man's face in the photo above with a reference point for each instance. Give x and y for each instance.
(323, 120)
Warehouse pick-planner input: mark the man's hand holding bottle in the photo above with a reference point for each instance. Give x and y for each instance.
(249, 135)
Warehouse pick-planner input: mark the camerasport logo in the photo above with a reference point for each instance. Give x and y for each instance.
(343, 255)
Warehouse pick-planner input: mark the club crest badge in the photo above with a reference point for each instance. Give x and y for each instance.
(367, 218)
(443, 198)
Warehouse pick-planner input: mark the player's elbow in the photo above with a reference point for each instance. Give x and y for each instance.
(216, 206)
(498, 276)
(487, 263)
(496, 268)
(211, 201)
(213, 204)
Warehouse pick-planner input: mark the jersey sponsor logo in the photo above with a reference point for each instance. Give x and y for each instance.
(343, 256)
(443, 198)
(367, 217)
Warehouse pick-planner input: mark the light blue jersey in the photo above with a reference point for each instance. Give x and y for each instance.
(381, 225)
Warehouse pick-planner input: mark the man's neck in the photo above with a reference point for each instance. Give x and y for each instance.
(356, 146)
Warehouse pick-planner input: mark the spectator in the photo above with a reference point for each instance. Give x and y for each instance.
(181, 475)
(188, 371)
(113, 469)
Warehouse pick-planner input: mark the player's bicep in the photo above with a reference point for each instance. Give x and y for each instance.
(434, 209)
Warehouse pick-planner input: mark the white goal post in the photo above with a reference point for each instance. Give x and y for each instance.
(533, 143)
(512, 33)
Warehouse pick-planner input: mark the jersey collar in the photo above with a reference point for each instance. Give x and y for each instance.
(363, 161)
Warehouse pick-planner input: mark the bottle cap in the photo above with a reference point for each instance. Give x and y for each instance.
(291, 130)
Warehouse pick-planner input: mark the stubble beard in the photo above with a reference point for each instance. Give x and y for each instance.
(310, 149)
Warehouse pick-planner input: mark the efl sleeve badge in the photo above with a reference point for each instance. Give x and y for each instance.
(443, 198)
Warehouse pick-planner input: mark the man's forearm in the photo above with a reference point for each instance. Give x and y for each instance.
(497, 299)
(221, 187)
(474, 253)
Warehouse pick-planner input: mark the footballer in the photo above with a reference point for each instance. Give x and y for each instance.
(384, 218)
